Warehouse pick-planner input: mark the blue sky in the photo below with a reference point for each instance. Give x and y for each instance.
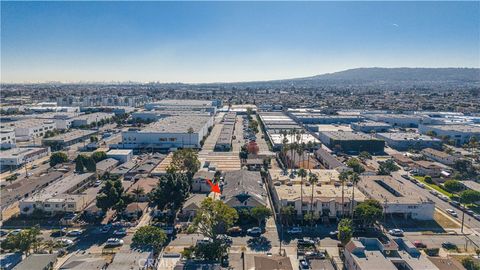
(229, 41)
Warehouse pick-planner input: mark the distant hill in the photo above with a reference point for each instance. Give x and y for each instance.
(402, 74)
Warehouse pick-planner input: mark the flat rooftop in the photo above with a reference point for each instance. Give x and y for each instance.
(406, 136)
(59, 187)
(384, 187)
(324, 176)
(184, 102)
(457, 128)
(120, 152)
(372, 124)
(323, 128)
(71, 135)
(348, 136)
(16, 152)
(177, 124)
(324, 193)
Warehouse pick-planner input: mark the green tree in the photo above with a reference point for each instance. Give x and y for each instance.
(369, 212)
(11, 178)
(470, 264)
(185, 161)
(260, 213)
(171, 191)
(470, 196)
(387, 167)
(355, 165)
(365, 155)
(57, 158)
(112, 195)
(79, 166)
(287, 214)
(213, 218)
(93, 139)
(150, 236)
(90, 164)
(24, 241)
(428, 179)
(345, 230)
(453, 185)
(354, 178)
(99, 156)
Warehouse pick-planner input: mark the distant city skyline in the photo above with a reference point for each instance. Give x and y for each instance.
(197, 42)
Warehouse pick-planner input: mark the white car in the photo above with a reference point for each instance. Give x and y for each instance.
(65, 241)
(444, 198)
(396, 232)
(294, 230)
(452, 212)
(16, 231)
(113, 242)
(75, 232)
(97, 183)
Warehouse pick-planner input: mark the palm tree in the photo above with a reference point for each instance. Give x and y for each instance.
(354, 178)
(300, 149)
(138, 191)
(302, 173)
(343, 177)
(313, 180)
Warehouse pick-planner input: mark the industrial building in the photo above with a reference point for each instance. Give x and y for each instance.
(169, 133)
(399, 120)
(407, 140)
(440, 156)
(105, 100)
(7, 138)
(16, 157)
(183, 105)
(28, 129)
(320, 118)
(224, 141)
(459, 134)
(370, 126)
(66, 139)
(396, 199)
(157, 115)
(88, 119)
(351, 142)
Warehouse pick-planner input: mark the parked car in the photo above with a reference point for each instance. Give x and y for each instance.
(455, 203)
(225, 238)
(15, 232)
(113, 242)
(306, 242)
(65, 241)
(444, 198)
(476, 216)
(75, 232)
(470, 212)
(235, 231)
(396, 232)
(3, 233)
(304, 264)
(449, 245)
(120, 232)
(97, 183)
(204, 241)
(452, 212)
(333, 234)
(255, 231)
(419, 244)
(294, 230)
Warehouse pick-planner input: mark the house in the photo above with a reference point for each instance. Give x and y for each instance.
(84, 262)
(199, 181)
(191, 206)
(439, 156)
(244, 189)
(106, 165)
(254, 164)
(423, 167)
(402, 160)
(135, 209)
(37, 262)
(260, 261)
(372, 254)
(329, 161)
(146, 185)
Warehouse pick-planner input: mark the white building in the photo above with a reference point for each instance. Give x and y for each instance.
(183, 104)
(439, 156)
(460, 134)
(396, 199)
(30, 128)
(61, 196)
(88, 119)
(407, 140)
(169, 133)
(122, 155)
(17, 157)
(399, 120)
(7, 138)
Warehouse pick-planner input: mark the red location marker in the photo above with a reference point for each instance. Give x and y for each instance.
(215, 187)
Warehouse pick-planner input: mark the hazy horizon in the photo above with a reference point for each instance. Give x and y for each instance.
(208, 42)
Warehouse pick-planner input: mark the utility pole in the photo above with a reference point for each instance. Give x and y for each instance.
(463, 218)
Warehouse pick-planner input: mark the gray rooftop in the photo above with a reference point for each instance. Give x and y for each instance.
(69, 136)
(404, 136)
(177, 124)
(347, 136)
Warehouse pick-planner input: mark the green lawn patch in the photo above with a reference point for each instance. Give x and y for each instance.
(435, 187)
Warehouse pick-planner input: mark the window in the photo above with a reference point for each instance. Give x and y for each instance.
(173, 139)
(71, 205)
(47, 205)
(163, 139)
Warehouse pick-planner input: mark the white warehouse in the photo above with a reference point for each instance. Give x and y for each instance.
(169, 133)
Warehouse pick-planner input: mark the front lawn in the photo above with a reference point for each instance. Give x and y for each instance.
(435, 187)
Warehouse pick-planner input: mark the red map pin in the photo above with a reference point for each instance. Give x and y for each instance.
(215, 187)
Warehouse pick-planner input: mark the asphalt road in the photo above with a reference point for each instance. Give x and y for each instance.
(470, 221)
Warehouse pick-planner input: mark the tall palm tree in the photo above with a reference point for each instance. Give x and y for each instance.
(313, 180)
(302, 173)
(300, 149)
(190, 132)
(354, 178)
(343, 177)
(138, 191)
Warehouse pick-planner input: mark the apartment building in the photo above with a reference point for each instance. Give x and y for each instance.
(439, 156)
(7, 138)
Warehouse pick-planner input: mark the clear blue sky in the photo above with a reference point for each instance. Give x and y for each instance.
(230, 41)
